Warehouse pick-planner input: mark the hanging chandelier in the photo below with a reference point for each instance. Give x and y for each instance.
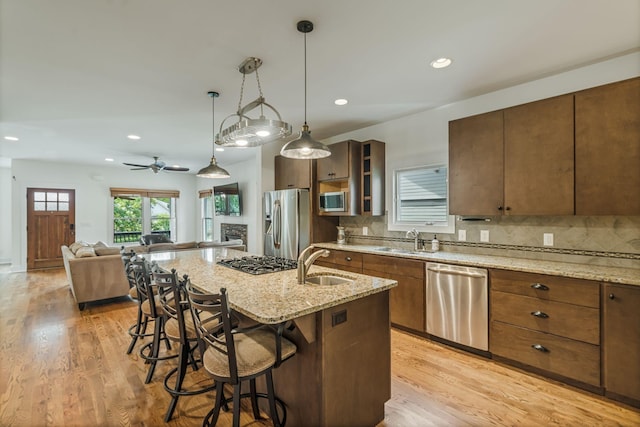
(213, 170)
(305, 147)
(248, 132)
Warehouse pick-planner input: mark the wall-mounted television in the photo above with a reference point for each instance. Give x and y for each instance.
(227, 200)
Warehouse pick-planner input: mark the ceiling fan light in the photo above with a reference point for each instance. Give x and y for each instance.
(213, 171)
(305, 147)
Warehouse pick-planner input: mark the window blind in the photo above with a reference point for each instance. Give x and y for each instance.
(123, 192)
(422, 195)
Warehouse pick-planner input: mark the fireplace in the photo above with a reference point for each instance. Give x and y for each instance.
(233, 232)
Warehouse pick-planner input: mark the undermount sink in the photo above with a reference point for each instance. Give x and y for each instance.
(396, 250)
(327, 279)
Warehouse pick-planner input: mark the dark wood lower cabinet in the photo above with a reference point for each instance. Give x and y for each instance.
(621, 342)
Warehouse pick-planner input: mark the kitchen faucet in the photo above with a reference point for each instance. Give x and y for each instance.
(415, 234)
(306, 259)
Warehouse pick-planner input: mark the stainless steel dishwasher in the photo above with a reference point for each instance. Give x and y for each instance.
(458, 304)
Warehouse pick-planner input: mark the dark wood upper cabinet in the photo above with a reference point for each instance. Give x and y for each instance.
(607, 149)
(538, 158)
(476, 165)
(373, 174)
(338, 164)
(293, 173)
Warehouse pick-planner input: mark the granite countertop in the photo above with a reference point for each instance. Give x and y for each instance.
(266, 298)
(622, 275)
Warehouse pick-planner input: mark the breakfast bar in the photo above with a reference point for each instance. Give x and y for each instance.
(341, 373)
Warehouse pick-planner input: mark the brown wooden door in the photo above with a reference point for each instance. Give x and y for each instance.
(608, 149)
(476, 165)
(50, 224)
(621, 340)
(292, 173)
(538, 158)
(337, 164)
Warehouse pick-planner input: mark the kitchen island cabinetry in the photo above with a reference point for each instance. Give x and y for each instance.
(608, 149)
(342, 260)
(407, 300)
(547, 322)
(293, 173)
(621, 342)
(516, 161)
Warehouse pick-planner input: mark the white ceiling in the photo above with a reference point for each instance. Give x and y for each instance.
(77, 76)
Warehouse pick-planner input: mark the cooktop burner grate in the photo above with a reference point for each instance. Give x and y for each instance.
(259, 264)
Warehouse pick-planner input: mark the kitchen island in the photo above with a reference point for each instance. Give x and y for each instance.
(341, 373)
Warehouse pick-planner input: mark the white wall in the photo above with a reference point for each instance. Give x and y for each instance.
(93, 199)
(422, 138)
(5, 215)
(247, 175)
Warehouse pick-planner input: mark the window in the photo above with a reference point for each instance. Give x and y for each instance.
(206, 213)
(138, 212)
(420, 200)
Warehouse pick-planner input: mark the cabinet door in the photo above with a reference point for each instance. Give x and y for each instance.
(337, 164)
(608, 149)
(292, 173)
(476, 165)
(621, 340)
(538, 143)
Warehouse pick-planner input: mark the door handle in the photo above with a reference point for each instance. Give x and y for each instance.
(455, 272)
(277, 224)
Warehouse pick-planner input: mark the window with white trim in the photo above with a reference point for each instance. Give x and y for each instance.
(420, 196)
(206, 214)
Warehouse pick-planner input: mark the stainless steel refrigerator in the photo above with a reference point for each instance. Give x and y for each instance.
(286, 222)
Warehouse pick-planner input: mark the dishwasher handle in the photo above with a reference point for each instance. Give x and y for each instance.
(456, 272)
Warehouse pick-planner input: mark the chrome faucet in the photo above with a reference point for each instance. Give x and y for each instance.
(306, 259)
(415, 234)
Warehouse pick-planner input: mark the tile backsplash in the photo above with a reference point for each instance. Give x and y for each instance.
(602, 240)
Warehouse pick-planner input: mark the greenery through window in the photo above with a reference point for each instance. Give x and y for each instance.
(134, 216)
(206, 209)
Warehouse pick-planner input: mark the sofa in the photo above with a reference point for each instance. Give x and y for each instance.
(96, 272)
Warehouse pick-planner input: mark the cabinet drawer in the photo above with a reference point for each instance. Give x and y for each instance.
(568, 320)
(394, 265)
(562, 356)
(553, 288)
(344, 260)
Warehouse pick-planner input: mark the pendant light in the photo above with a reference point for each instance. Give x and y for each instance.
(305, 147)
(248, 132)
(213, 170)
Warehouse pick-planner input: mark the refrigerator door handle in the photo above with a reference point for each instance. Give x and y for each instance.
(277, 223)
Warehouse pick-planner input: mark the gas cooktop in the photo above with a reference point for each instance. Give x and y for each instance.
(259, 264)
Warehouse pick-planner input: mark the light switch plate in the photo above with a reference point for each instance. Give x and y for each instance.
(462, 235)
(484, 235)
(547, 239)
(365, 231)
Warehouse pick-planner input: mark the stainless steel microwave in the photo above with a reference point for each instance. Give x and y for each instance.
(333, 202)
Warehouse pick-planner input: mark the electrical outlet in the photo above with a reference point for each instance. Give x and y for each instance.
(547, 239)
(365, 231)
(484, 235)
(462, 235)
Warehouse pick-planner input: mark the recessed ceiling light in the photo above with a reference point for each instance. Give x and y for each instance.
(219, 149)
(340, 101)
(134, 137)
(12, 138)
(441, 63)
(108, 159)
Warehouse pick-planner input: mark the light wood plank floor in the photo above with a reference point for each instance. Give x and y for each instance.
(63, 367)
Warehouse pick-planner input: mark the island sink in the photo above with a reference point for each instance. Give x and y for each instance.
(327, 279)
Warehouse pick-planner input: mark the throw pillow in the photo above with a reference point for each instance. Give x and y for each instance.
(85, 252)
(77, 245)
(100, 244)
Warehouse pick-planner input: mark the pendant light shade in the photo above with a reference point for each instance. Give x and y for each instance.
(305, 147)
(213, 170)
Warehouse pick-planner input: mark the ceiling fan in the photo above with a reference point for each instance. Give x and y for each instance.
(156, 166)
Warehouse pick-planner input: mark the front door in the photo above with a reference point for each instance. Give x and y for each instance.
(50, 224)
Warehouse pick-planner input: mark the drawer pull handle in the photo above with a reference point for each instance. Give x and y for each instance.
(348, 258)
(612, 296)
(540, 314)
(539, 347)
(539, 286)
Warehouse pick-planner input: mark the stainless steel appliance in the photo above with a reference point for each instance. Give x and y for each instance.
(259, 264)
(458, 304)
(335, 201)
(286, 222)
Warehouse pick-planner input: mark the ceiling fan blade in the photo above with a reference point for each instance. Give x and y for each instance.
(135, 165)
(175, 168)
(140, 168)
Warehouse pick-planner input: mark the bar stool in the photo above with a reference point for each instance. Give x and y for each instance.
(180, 328)
(150, 352)
(234, 355)
(139, 328)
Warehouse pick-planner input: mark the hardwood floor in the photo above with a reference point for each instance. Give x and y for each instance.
(63, 367)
